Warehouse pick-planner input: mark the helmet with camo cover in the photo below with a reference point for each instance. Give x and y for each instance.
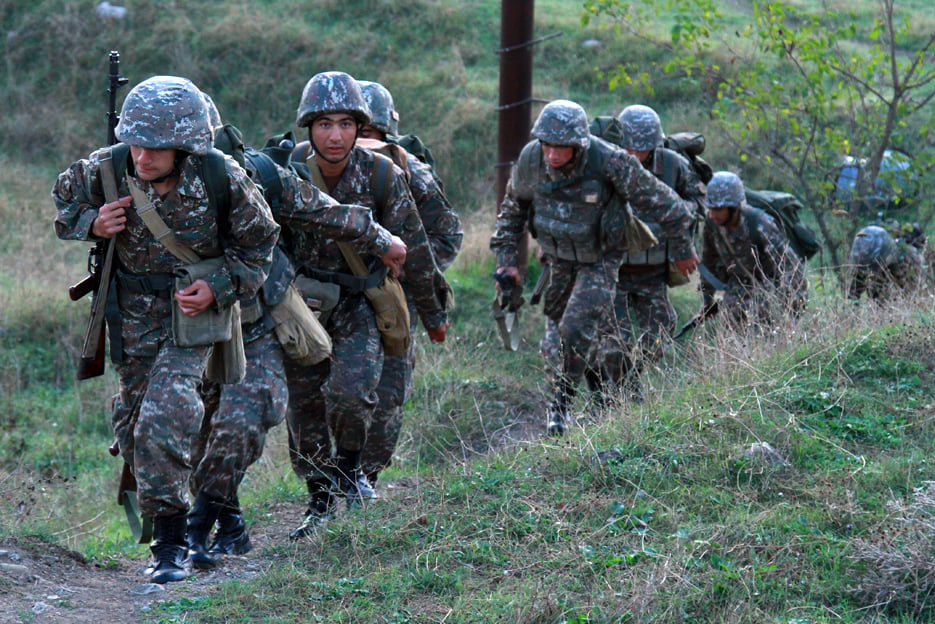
(872, 247)
(725, 190)
(331, 92)
(563, 122)
(383, 115)
(642, 130)
(214, 115)
(166, 112)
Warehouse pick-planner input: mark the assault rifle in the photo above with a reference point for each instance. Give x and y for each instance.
(101, 256)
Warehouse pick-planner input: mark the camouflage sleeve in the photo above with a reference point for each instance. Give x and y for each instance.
(712, 260)
(78, 194)
(652, 200)
(401, 217)
(512, 221)
(441, 222)
(248, 246)
(306, 208)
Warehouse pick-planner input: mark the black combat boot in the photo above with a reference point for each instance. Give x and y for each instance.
(558, 410)
(320, 507)
(170, 550)
(231, 538)
(201, 519)
(350, 481)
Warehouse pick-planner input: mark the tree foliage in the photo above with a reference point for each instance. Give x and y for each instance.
(795, 91)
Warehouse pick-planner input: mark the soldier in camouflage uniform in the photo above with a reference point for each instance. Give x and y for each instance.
(443, 228)
(747, 250)
(331, 404)
(573, 190)
(882, 265)
(156, 414)
(238, 416)
(641, 283)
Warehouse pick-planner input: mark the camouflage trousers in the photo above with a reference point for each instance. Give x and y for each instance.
(578, 300)
(759, 306)
(394, 389)
(237, 419)
(331, 404)
(156, 416)
(641, 294)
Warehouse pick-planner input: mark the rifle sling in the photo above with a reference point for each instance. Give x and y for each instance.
(158, 227)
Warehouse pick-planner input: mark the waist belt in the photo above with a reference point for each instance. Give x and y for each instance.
(351, 283)
(154, 284)
(641, 268)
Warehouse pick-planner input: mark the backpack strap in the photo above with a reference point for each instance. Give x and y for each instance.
(381, 180)
(268, 178)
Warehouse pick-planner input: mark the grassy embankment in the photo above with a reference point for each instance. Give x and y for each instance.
(674, 525)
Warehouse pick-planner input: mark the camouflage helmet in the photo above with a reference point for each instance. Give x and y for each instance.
(642, 130)
(872, 246)
(563, 122)
(166, 112)
(725, 190)
(214, 115)
(383, 115)
(331, 92)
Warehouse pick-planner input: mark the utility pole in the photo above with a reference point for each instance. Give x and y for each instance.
(516, 32)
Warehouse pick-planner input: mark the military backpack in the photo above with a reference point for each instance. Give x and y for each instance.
(784, 207)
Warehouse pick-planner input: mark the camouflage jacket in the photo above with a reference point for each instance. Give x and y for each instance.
(650, 199)
(441, 222)
(247, 246)
(400, 216)
(755, 255)
(677, 173)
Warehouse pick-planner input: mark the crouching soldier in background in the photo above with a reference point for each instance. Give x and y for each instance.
(745, 249)
(156, 415)
(882, 266)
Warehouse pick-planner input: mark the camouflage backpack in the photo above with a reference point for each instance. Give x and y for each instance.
(784, 207)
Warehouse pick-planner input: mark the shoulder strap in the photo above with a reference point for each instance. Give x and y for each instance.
(217, 184)
(268, 177)
(381, 180)
(158, 227)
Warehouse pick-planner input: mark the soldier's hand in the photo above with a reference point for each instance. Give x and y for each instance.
(111, 218)
(512, 272)
(396, 256)
(687, 266)
(437, 334)
(196, 298)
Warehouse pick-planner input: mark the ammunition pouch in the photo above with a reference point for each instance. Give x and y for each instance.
(302, 336)
(392, 313)
(321, 297)
(218, 327)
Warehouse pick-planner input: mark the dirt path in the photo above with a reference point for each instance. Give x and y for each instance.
(42, 584)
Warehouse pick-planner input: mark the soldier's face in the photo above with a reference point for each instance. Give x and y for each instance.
(558, 155)
(640, 155)
(721, 215)
(369, 132)
(152, 164)
(333, 137)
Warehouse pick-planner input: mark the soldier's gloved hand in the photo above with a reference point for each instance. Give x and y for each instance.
(437, 334)
(395, 257)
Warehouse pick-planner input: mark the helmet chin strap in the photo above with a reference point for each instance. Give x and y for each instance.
(176, 167)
